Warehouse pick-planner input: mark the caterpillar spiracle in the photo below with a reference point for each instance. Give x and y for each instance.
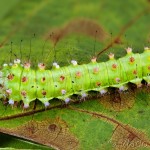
(20, 82)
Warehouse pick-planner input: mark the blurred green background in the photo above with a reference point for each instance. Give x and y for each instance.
(75, 29)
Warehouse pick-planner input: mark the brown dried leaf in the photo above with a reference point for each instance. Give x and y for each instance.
(53, 133)
(127, 138)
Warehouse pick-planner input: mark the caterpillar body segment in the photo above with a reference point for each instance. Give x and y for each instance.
(132, 67)
(11, 78)
(145, 57)
(28, 86)
(62, 83)
(98, 76)
(114, 73)
(44, 86)
(23, 83)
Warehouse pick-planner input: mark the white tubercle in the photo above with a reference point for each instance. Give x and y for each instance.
(56, 65)
(146, 48)
(46, 104)
(4, 65)
(121, 88)
(74, 62)
(10, 64)
(11, 102)
(129, 50)
(93, 59)
(67, 100)
(17, 61)
(26, 106)
(9, 91)
(103, 91)
(83, 95)
(111, 56)
(63, 91)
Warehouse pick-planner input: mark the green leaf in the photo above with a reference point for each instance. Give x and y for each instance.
(98, 123)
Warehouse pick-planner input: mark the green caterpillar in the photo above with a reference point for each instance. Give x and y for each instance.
(20, 82)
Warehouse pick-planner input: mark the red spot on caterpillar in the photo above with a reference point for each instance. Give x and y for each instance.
(23, 93)
(117, 80)
(24, 79)
(96, 70)
(78, 74)
(43, 92)
(148, 67)
(114, 66)
(98, 83)
(10, 76)
(135, 72)
(132, 59)
(62, 78)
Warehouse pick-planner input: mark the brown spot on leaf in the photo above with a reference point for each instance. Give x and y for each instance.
(52, 127)
(118, 101)
(53, 133)
(125, 137)
(81, 26)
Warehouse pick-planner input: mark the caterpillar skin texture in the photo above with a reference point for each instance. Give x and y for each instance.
(20, 82)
